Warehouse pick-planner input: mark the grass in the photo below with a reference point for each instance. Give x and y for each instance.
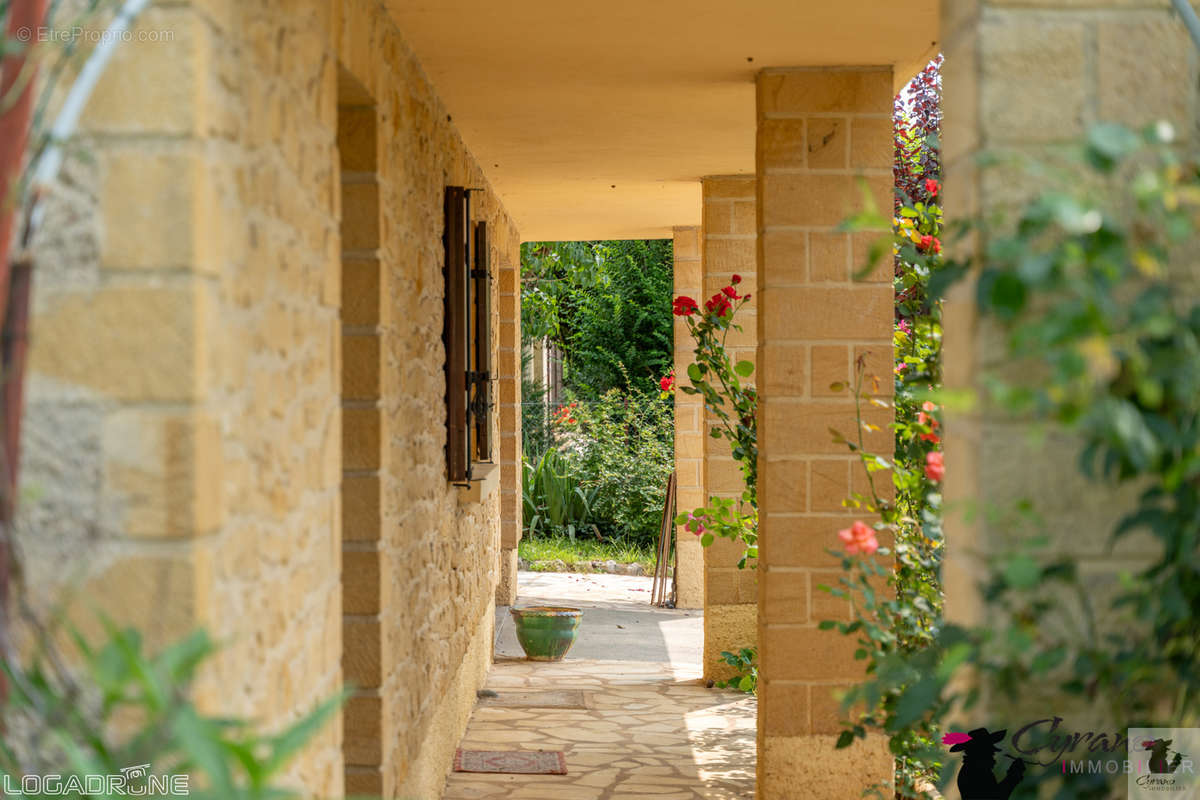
(582, 551)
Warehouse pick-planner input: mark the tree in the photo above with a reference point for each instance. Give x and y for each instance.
(621, 334)
(607, 305)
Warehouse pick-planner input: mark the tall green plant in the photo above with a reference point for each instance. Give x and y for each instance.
(121, 707)
(554, 500)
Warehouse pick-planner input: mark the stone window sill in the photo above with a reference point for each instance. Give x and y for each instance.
(485, 481)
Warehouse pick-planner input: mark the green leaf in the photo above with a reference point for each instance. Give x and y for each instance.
(201, 739)
(1108, 143)
(1049, 659)
(1003, 292)
(845, 739)
(1022, 572)
(695, 372)
(744, 368)
(915, 702)
(285, 746)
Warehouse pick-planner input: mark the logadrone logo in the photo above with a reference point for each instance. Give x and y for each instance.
(133, 781)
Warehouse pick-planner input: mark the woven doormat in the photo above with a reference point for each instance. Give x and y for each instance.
(513, 762)
(562, 698)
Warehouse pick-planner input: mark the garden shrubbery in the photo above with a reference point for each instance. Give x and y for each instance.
(597, 465)
(605, 470)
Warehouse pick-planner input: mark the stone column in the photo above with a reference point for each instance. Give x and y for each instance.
(508, 413)
(1027, 79)
(689, 433)
(820, 133)
(728, 249)
(122, 434)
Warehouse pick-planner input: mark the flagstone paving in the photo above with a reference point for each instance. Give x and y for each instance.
(649, 729)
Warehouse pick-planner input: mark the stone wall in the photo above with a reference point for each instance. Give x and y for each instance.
(690, 438)
(822, 135)
(727, 249)
(187, 433)
(1027, 79)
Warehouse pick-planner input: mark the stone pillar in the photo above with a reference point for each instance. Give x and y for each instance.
(690, 440)
(122, 434)
(728, 249)
(1026, 80)
(820, 132)
(508, 413)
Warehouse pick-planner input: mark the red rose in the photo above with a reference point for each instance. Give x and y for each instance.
(932, 187)
(930, 244)
(667, 383)
(736, 279)
(731, 293)
(718, 304)
(684, 306)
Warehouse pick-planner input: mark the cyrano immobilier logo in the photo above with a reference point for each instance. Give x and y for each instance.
(1163, 763)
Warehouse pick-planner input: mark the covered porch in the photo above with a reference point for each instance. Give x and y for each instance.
(239, 406)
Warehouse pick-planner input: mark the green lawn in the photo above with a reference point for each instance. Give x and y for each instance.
(582, 551)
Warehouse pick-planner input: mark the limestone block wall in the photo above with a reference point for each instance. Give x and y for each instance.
(690, 437)
(820, 132)
(508, 415)
(1027, 78)
(728, 249)
(235, 413)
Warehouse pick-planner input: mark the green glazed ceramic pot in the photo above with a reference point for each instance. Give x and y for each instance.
(546, 633)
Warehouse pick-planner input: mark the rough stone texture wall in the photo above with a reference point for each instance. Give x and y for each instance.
(1027, 78)
(728, 249)
(508, 414)
(819, 132)
(185, 431)
(690, 438)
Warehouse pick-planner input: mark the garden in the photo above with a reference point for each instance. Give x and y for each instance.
(597, 461)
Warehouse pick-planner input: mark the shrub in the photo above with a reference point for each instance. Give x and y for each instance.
(622, 448)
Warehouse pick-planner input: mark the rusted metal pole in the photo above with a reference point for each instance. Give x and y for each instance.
(17, 87)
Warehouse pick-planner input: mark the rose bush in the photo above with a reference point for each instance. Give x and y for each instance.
(724, 386)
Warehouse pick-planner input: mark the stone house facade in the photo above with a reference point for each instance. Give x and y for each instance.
(236, 410)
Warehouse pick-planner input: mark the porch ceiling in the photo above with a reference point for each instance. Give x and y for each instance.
(595, 120)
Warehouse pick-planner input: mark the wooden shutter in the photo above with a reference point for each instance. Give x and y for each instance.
(455, 334)
(482, 384)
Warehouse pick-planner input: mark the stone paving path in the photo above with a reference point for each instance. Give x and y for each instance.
(649, 729)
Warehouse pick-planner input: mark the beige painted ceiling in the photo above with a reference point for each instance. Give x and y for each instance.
(596, 120)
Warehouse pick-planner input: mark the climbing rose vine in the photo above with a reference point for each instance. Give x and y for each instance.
(723, 385)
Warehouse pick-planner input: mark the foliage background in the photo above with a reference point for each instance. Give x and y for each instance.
(607, 305)
(598, 464)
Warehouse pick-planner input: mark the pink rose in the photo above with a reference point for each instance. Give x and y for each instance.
(935, 470)
(859, 538)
